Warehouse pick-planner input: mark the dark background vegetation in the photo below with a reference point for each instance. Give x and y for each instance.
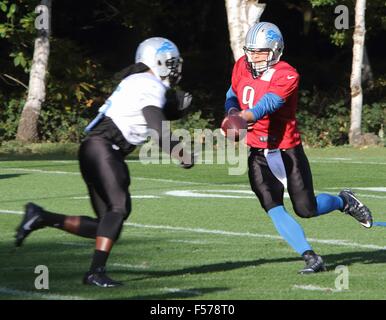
(93, 40)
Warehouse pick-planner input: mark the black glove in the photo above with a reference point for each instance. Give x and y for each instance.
(184, 99)
(177, 104)
(189, 163)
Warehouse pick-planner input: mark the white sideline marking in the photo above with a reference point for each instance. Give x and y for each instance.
(311, 159)
(40, 171)
(375, 189)
(246, 185)
(199, 194)
(76, 244)
(177, 290)
(11, 212)
(334, 158)
(344, 243)
(62, 161)
(192, 183)
(316, 288)
(210, 194)
(346, 161)
(30, 294)
(130, 266)
(370, 196)
(170, 181)
(133, 197)
(134, 178)
(189, 241)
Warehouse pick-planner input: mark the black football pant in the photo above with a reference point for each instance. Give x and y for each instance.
(270, 190)
(107, 178)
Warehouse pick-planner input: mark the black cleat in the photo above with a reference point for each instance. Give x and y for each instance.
(100, 279)
(314, 263)
(356, 209)
(32, 221)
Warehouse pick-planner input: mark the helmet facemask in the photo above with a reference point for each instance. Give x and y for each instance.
(258, 67)
(174, 65)
(263, 37)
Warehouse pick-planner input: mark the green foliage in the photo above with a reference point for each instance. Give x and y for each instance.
(9, 118)
(193, 121)
(319, 3)
(18, 30)
(338, 38)
(374, 117)
(324, 17)
(61, 126)
(323, 121)
(80, 74)
(19, 150)
(72, 90)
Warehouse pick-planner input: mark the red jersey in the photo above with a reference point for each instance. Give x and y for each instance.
(278, 129)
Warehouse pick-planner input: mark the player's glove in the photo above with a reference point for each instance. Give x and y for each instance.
(184, 99)
(177, 103)
(188, 161)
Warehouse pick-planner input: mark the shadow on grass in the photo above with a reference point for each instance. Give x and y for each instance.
(332, 261)
(65, 267)
(12, 175)
(178, 294)
(350, 258)
(36, 200)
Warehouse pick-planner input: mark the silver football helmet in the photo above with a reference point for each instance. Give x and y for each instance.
(162, 57)
(263, 37)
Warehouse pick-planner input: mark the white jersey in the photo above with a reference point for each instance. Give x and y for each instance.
(125, 105)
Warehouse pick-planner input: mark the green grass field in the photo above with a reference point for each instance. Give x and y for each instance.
(212, 241)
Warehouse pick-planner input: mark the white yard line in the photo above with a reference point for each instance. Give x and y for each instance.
(130, 266)
(134, 178)
(76, 244)
(40, 171)
(346, 161)
(37, 295)
(133, 197)
(189, 241)
(11, 212)
(374, 189)
(316, 288)
(246, 185)
(344, 243)
(178, 290)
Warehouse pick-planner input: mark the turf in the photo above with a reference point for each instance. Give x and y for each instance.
(218, 245)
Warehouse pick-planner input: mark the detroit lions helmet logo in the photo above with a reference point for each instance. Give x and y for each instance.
(166, 46)
(273, 36)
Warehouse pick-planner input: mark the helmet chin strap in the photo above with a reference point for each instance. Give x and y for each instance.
(165, 80)
(258, 68)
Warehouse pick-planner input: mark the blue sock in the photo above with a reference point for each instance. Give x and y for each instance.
(327, 203)
(289, 229)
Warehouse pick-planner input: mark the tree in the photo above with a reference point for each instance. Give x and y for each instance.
(28, 125)
(241, 15)
(356, 74)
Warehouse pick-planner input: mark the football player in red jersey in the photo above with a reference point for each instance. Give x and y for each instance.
(264, 92)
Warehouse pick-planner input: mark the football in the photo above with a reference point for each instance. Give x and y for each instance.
(232, 125)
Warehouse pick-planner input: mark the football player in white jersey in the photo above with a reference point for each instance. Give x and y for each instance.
(143, 99)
